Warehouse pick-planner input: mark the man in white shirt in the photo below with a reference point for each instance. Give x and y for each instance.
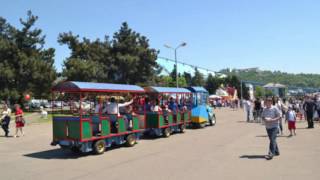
(247, 107)
(5, 119)
(112, 109)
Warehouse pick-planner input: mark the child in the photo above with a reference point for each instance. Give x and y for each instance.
(156, 107)
(19, 121)
(291, 119)
(166, 112)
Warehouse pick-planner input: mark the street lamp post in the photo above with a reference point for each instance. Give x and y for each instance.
(175, 58)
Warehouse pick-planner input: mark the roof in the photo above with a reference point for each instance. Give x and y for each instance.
(166, 90)
(74, 86)
(197, 89)
(274, 85)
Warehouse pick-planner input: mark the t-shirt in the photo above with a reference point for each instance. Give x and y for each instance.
(156, 108)
(257, 105)
(247, 105)
(113, 107)
(6, 113)
(173, 106)
(291, 116)
(272, 113)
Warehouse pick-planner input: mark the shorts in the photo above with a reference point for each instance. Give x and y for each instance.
(19, 124)
(291, 125)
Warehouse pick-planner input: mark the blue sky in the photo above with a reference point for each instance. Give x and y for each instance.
(269, 34)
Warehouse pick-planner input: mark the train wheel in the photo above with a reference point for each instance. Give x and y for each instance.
(99, 147)
(182, 128)
(130, 140)
(166, 132)
(202, 125)
(213, 121)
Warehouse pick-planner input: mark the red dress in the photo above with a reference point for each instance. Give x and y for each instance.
(19, 122)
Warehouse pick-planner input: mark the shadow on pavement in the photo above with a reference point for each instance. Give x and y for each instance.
(253, 157)
(242, 122)
(150, 137)
(56, 154)
(302, 128)
(67, 154)
(6, 136)
(265, 136)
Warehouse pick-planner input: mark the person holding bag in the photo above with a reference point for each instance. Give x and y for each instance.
(5, 119)
(19, 121)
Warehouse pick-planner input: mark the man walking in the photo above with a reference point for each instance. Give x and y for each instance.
(271, 116)
(247, 107)
(5, 119)
(309, 107)
(257, 110)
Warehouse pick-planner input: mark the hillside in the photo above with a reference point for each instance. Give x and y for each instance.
(289, 79)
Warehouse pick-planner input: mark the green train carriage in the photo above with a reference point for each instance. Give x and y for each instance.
(79, 126)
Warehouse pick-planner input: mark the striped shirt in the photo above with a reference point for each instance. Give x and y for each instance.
(272, 113)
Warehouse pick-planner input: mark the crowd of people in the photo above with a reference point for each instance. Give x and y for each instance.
(273, 111)
(220, 103)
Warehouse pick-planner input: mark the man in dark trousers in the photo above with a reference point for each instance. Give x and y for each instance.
(5, 119)
(271, 116)
(257, 109)
(309, 107)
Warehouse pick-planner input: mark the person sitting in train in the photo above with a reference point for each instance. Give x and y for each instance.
(156, 107)
(147, 105)
(112, 109)
(97, 107)
(128, 117)
(184, 107)
(173, 105)
(166, 112)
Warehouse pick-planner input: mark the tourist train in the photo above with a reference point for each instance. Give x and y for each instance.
(94, 116)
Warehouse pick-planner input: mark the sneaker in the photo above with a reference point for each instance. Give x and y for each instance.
(269, 157)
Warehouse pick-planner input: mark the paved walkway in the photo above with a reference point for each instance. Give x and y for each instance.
(232, 150)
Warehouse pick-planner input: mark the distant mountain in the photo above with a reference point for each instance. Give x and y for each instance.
(289, 79)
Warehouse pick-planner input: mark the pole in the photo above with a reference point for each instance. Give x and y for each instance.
(175, 57)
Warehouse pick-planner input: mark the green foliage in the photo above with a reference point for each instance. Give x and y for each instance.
(259, 92)
(197, 79)
(127, 58)
(173, 73)
(188, 78)
(25, 66)
(213, 83)
(296, 80)
(168, 81)
(269, 93)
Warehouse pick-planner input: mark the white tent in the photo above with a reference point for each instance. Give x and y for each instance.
(214, 97)
(221, 92)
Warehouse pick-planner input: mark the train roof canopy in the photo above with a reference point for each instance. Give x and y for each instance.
(74, 86)
(166, 90)
(198, 89)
